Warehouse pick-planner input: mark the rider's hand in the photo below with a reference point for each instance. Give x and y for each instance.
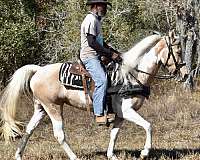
(116, 58)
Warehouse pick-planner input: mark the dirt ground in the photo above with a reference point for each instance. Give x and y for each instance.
(173, 113)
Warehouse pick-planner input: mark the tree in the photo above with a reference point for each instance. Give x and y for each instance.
(188, 27)
(16, 38)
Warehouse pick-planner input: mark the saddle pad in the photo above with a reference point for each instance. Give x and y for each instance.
(70, 79)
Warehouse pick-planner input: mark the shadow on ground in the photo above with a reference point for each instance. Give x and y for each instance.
(155, 154)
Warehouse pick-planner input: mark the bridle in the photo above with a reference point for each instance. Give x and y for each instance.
(177, 65)
(170, 53)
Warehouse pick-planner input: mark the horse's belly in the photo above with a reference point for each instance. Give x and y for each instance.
(76, 98)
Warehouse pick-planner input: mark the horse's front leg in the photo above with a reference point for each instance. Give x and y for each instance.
(148, 143)
(113, 137)
(131, 115)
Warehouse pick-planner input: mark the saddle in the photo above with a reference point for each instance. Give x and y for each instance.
(75, 75)
(79, 69)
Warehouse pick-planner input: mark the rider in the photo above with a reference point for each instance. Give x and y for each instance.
(92, 47)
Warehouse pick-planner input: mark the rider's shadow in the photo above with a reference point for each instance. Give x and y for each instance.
(157, 154)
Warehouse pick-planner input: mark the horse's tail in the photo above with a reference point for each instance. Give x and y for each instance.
(9, 101)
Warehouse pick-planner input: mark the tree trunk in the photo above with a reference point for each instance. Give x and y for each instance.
(187, 25)
(181, 24)
(189, 49)
(40, 21)
(40, 24)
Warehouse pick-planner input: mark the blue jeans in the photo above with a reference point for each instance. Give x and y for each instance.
(94, 67)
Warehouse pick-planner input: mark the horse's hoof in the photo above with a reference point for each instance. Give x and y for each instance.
(18, 156)
(113, 157)
(142, 157)
(144, 154)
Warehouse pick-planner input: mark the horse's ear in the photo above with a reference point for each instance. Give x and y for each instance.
(175, 40)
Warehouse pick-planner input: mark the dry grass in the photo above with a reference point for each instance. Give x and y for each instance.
(174, 115)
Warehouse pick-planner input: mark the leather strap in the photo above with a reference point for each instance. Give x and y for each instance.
(85, 88)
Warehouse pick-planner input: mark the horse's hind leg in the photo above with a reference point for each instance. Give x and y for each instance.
(39, 113)
(131, 115)
(55, 113)
(113, 137)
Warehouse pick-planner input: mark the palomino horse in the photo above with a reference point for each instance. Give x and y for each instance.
(49, 95)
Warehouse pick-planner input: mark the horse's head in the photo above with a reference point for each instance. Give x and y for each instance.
(170, 56)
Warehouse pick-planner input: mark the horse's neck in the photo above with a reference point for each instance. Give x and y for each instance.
(149, 64)
(133, 56)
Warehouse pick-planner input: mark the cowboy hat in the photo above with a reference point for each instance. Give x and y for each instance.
(90, 2)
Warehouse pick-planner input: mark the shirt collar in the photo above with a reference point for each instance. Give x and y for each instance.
(98, 17)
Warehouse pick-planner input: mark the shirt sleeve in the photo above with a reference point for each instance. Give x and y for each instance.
(90, 26)
(102, 51)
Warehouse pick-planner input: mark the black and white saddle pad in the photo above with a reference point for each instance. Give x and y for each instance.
(69, 79)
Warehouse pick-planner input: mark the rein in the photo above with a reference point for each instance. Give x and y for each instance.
(155, 76)
(136, 79)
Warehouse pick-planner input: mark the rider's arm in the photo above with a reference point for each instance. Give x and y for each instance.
(111, 49)
(115, 54)
(102, 51)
